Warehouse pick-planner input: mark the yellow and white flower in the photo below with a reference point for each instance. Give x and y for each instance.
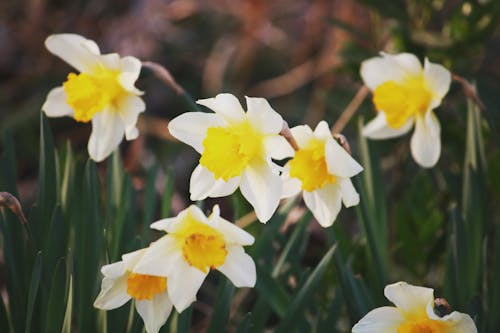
(103, 92)
(414, 313)
(321, 169)
(404, 95)
(193, 246)
(236, 150)
(121, 283)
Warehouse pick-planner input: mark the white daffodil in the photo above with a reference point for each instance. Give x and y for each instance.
(194, 245)
(414, 312)
(236, 150)
(121, 283)
(405, 94)
(103, 92)
(321, 169)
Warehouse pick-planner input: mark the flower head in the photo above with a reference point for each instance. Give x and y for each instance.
(193, 245)
(404, 95)
(236, 148)
(414, 313)
(321, 169)
(102, 92)
(121, 283)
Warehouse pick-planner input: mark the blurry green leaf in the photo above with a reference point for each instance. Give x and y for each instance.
(221, 308)
(181, 322)
(68, 313)
(245, 325)
(298, 303)
(272, 291)
(57, 298)
(4, 319)
(167, 193)
(47, 192)
(33, 291)
(149, 204)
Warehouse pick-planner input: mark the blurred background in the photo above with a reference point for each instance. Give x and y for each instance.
(304, 57)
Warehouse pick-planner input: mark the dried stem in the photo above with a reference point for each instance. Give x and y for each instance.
(350, 110)
(343, 142)
(470, 91)
(164, 75)
(11, 202)
(287, 134)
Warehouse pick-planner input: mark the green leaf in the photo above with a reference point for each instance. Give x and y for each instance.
(245, 325)
(149, 204)
(68, 314)
(33, 291)
(167, 193)
(299, 302)
(57, 299)
(221, 308)
(272, 291)
(4, 319)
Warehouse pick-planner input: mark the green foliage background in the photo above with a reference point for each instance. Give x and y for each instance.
(437, 227)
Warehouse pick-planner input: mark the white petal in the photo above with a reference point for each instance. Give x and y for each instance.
(262, 116)
(291, 186)
(221, 188)
(203, 184)
(164, 224)
(378, 70)
(113, 293)
(349, 195)
(277, 147)
(339, 162)
(239, 267)
(302, 135)
(457, 322)
(409, 299)
(381, 320)
(426, 140)
(107, 133)
(154, 312)
(114, 270)
(129, 109)
(55, 105)
(160, 259)
(79, 52)
(183, 285)
(191, 127)
(324, 203)
(438, 80)
(131, 259)
(262, 188)
(377, 128)
(322, 131)
(225, 105)
(130, 69)
(110, 61)
(232, 233)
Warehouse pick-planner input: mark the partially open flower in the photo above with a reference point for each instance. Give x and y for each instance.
(404, 95)
(193, 246)
(414, 313)
(121, 283)
(102, 92)
(236, 148)
(321, 169)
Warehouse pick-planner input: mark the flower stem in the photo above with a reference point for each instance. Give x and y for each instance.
(164, 75)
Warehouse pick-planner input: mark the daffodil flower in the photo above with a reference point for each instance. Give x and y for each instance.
(404, 95)
(321, 169)
(236, 150)
(102, 92)
(121, 283)
(193, 246)
(414, 312)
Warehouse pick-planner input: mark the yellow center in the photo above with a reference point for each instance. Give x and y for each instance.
(202, 246)
(425, 325)
(88, 94)
(399, 101)
(228, 150)
(309, 166)
(141, 287)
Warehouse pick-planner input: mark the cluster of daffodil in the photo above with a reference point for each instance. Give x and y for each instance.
(238, 150)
